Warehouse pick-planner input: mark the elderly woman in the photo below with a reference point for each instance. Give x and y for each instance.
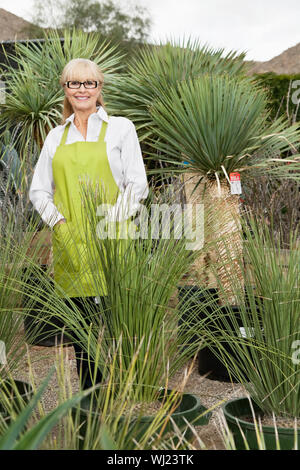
(88, 146)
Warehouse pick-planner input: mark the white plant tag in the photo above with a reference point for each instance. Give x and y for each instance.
(247, 332)
(235, 183)
(2, 353)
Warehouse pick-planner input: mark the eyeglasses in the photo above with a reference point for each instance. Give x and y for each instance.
(87, 84)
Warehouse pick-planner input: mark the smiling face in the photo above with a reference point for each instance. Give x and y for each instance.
(82, 99)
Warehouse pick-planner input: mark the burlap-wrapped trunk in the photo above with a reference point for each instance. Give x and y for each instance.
(223, 244)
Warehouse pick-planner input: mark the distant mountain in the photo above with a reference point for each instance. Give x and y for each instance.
(288, 62)
(12, 26)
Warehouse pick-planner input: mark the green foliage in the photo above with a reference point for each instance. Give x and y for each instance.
(34, 102)
(219, 124)
(10, 165)
(138, 286)
(117, 396)
(156, 68)
(96, 419)
(20, 256)
(280, 91)
(17, 437)
(268, 299)
(13, 260)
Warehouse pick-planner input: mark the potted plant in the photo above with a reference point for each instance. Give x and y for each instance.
(85, 427)
(266, 358)
(132, 420)
(206, 110)
(220, 125)
(138, 285)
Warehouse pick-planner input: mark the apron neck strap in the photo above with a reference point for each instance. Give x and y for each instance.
(100, 138)
(102, 131)
(64, 137)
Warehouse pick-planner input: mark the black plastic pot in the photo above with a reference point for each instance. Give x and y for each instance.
(236, 411)
(39, 332)
(190, 297)
(189, 410)
(208, 362)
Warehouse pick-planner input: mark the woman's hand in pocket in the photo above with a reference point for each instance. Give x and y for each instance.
(61, 221)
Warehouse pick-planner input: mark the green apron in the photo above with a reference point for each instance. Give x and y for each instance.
(72, 164)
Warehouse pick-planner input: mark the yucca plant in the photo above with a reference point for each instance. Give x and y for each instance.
(34, 102)
(219, 124)
(157, 68)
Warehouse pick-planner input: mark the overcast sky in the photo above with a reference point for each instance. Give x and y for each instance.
(262, 28)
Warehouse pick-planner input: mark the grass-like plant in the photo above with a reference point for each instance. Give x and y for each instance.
(99, 419)
(18, 435)
(21, 253)
(32, 426)
(15, 270)
(138, 277)
(264, 336)
(113, 417)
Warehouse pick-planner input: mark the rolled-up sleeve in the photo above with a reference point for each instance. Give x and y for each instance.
(42, 188)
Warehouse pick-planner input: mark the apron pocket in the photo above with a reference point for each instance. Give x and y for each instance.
(65, 248)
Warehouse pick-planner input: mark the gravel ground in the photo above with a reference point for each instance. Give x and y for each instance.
(211, 392)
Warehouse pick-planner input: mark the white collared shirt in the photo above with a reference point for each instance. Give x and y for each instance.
(124, 156)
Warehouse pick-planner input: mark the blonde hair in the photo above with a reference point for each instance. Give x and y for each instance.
(80, 69)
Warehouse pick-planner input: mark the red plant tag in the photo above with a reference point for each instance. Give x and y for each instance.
(235, 176)
(235, 183)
